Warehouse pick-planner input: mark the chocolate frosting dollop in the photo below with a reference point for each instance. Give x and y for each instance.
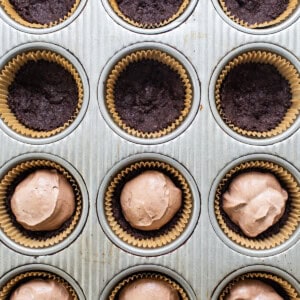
(38, 289)
(43, 201)
(252, 290)
(254, 201)
(148, 289)
(150, 200)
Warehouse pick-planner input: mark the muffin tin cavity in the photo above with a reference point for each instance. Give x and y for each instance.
(155, 242)
(39, 55)
(257, 55)
(274, 240)
(22, 274)
(112, 289)
(40, 18)
(40, 243)
(161, 57)
(283, 283)
(279, 20)
(120, 12)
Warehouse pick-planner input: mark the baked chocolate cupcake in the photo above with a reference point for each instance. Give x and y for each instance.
(141, 220)
(257, 94)
(258, 13)
(145, 285)
(253, 285)
(256, 204)
(38, 285)
(39, 14)
(41, 94)
(40, 203)
(148, 94)
(149, 14)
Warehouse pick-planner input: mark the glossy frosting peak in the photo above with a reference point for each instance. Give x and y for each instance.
(148, 289)
(255, 201)
(252, 290)
(38, 289)
(44, 200)
(150, 200)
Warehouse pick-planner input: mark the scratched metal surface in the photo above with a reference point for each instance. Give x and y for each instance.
(204, 149)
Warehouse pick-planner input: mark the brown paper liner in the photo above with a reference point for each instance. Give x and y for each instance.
(289, 290)
(161, 57)
(114, 5)
(146, 275)
(13, 283)
(7, 76)
(6, 223)
(11, 12)
(282, 17)
(292, 221)
(169, 236)
(285, 68)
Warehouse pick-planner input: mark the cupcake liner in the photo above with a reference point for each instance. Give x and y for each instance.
(285, 68)
(288, 289)
(147, 275)
(114, 5)
(168, 236)
(282, 17)
(293, 219)
(7, 76)
(11, 12)
(6, 222)
(6, 290)
(161, 57)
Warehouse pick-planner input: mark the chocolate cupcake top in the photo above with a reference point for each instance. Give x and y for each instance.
(149, 11)
(43, 95)
(256, 11)
(255, 96)
(42, 12)
(149, 95)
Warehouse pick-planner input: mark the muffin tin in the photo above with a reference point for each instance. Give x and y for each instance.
(203, 39)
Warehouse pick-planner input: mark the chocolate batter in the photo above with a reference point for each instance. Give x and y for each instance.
(255, 96)
(149, 96)
(42, 11)
(149, 11)
(256, 11)
(43, 95)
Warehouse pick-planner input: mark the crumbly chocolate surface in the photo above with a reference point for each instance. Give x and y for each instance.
(117, 209)
(149, 11)
(274, 229)
(149, 96)
(43, 95)
(256, 11)
(41, 11)
(255, 97)
(37, 235)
